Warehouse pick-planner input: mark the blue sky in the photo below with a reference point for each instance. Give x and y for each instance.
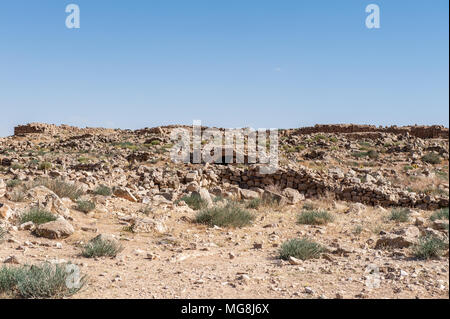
(234, 63)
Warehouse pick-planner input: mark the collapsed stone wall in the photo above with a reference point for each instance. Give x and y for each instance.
(51, 129)
(313, 184)
(34, 128)
(435, 131)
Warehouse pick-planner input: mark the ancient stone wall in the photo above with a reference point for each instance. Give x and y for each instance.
(435, 131)
(315, 185)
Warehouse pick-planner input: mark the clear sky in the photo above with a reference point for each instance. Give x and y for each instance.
(229, 63)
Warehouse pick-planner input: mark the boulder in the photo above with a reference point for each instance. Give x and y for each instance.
(6, 212)
(293, 195)
(124, 193)
(249, 194)
(147, 225)
(204, 195)
(273, 196)
(394, 241)
(59, 228)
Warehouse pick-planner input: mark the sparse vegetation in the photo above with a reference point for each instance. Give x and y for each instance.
(37, 216)
(18, 195)
(230, 215)
(314, 217)
(2, 233)
(103, 190)
(60, 187)
(440, 214)
(429, 247)
(301, 248)
(44, 166)
(400, 215)
(39, 281)
(431, 158)
(85, 206)
(194, 201)
(358, 230)
(253, 204)
(13, 183)
(99, 247)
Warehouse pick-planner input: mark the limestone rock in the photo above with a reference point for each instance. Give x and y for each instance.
(6, 212)
(124, 193)
(293, 195)
(249, 194)
(59, 228)
(2, 188)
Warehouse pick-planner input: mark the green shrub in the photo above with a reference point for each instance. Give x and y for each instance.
(17, 166)
(103, 190)
(85, 206)
(440, 214)
(400, 215)
(314, 217)
(13, 183)
(360, 154)
(37, 216)
(83, 159)
(45, 166)
(429, 247)
(98, 247)
(194, 201)
(230, 216)
(300, 248)
(39, 281)
(431, 158)
(60, 187)
(253, 204)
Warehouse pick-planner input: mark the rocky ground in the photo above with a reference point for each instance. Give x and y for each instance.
(122, 183)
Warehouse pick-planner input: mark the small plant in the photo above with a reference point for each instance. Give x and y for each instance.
(400, 215)
(44, 166)
(39, 281)
(18, 195)
(440, 214)
(103, 190)
(60, 187)
(230, 215)
(314, 217)
(155, 142)
(254, 203)
(407, 168)
(85, 206)
(301, 248)
(13, 183)
(431, 158)
(429, 247)
(194, 201)
(360, 154)
(358, 230)
(333, 139)
(98, 247)
(38, 216)
(83, 159)
(16, 166)
(127, 145)
(2, 233)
